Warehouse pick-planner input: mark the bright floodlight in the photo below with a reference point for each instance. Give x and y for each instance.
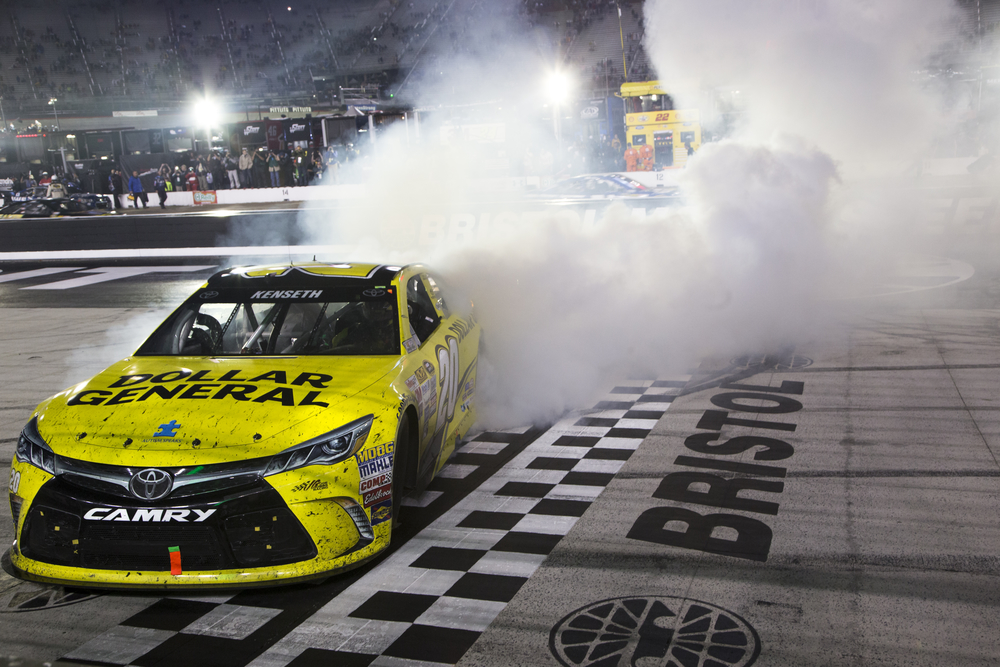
(207, 113)
(559, 86)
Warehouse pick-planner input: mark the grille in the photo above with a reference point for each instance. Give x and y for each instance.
(138, 547)
(114, 480)
(252, 530)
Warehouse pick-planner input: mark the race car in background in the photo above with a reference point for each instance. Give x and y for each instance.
(77, 205)
(263, 434)
(600, 187)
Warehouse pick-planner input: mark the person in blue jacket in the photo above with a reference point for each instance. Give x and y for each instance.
(135, 187)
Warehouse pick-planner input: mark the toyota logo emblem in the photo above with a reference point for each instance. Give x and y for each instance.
(151, 484)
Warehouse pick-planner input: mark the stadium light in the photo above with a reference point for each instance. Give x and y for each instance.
(53, 101)
(207, 114)
(559, 86)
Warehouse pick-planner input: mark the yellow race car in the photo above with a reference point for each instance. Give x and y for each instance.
(264, 434)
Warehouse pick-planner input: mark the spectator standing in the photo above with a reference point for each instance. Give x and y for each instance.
(135, 187)
(300, 160)
(259, 169)
(273, 166)
(245, 164)
(160, 184)
(231, 166)
(192, 180)
(215, 169)
(178, 179)
(285, 168)
(201, 170)
(115, 186)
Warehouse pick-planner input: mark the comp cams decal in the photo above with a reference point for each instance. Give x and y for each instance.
(375, 472)
(708, 489)
(183, 384)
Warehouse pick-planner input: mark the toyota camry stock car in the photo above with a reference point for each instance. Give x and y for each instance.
(264, 433)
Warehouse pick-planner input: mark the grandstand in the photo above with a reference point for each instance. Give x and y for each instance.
(100, 55)
(96, 55)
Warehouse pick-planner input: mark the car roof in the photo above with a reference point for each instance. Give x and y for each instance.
(306, 275)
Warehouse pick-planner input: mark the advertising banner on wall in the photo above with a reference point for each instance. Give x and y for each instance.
(251, 135)
(595, 109)
(204, 197)
(296, 129)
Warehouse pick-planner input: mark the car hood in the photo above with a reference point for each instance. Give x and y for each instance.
(214, 409)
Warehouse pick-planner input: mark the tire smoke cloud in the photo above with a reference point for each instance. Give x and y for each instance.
(773, 223)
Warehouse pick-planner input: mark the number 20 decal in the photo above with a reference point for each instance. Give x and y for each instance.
(15, 480)
(448, 373)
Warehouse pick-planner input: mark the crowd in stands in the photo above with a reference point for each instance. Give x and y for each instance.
(170, 50)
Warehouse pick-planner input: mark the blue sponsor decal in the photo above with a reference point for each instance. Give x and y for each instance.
(167, 430)
(382, 512)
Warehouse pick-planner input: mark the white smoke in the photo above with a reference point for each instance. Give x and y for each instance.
(770, 226)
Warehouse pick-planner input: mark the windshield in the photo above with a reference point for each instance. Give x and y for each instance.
(368, 326)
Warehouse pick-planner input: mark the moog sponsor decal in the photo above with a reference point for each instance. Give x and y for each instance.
(375, 471)
(697, 486)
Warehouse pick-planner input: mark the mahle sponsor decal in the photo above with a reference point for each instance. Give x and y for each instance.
(147, 515)
(375, 461)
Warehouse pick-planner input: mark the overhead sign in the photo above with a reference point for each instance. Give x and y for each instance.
(134, 114)
(291, 110)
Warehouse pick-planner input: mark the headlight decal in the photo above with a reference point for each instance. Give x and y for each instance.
(326, 449)
(31, 448)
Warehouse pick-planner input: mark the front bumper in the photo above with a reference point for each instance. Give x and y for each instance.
(74, 536)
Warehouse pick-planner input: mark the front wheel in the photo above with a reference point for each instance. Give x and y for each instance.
(399, 467)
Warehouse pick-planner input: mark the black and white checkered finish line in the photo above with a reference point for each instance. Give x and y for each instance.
(429, 601)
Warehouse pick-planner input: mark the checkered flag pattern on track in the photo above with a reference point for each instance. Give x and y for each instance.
(429, 600)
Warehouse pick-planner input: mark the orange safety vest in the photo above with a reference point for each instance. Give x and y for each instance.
(646, 155)
(631, 159)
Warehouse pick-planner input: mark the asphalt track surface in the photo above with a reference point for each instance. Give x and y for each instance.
(834, 503)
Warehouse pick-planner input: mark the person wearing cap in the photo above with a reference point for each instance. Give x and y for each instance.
(245, 163)
(230, 165)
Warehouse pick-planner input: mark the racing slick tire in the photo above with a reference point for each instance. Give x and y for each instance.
(399, 457)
